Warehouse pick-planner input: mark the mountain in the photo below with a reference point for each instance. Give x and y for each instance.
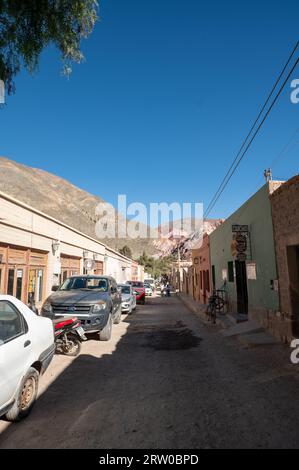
(182, 235)
(62, 200)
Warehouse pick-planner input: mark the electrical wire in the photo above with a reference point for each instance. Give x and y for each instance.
(237, 160)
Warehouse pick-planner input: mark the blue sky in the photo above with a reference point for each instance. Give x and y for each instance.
(161, 105)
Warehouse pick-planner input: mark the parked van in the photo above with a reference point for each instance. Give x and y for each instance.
(26, 350)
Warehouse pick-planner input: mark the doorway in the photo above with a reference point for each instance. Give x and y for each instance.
(293, 268)
(241, 284)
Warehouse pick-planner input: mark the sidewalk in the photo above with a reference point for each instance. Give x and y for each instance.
(200, 310)
(250, 334)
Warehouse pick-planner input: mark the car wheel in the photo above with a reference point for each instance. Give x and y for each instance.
(117, 318)
(105, 334)
(26, 396)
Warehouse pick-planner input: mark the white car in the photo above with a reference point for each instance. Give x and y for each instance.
(128, 298)
(151, 283)
(26, 350)
(148, 290)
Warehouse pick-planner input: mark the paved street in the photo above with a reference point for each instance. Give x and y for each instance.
(166, 380)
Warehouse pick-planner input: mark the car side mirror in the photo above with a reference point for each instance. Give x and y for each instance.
(55, 288)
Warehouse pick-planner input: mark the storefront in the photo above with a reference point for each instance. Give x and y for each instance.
(243, 259)
(38, 252)
(22, 272)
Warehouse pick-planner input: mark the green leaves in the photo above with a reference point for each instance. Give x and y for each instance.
(29, 26)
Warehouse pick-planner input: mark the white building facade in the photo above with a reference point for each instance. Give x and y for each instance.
(38, 251)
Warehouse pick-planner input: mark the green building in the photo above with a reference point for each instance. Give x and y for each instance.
(243, 258)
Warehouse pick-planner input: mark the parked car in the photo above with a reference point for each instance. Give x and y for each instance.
(138, 288)
(95, 300)
(128, 298)
(151, 282)
(148, 290)
(26, 350)
(158, 288)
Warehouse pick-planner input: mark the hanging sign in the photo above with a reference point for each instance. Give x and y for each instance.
(241, 245)
(241, 257)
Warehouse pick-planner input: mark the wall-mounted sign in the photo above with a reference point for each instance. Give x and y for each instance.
(241, 257)
(251, 271)
(57, 267)
(89, 264)
(241, 245)
(224, 274)
(240, 228)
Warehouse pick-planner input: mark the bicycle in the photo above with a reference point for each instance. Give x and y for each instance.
(215, 304)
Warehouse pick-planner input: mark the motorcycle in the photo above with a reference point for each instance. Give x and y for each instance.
(68, 336)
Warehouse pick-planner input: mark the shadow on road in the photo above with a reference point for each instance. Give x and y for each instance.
(117, 400)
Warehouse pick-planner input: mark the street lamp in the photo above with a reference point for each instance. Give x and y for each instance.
(55, 246)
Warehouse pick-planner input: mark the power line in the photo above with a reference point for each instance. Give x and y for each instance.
(238, 158)
(255, 134)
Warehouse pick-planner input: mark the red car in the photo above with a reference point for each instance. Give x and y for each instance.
(138, 288)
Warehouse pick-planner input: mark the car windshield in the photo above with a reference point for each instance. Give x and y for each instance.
(88, 283)
(125, 290)
(137, 284)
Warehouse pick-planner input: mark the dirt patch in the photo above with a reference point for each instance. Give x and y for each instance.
(172, 339)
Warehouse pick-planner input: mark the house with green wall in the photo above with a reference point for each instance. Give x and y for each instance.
(243, 258)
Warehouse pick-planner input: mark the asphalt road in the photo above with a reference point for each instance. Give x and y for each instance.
(166, 380)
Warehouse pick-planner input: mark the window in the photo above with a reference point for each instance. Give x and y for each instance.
(85, 283)
(11, 282)
(19, 284)
(12, 323)
(230, 270)
(36, 283)
(201, 280)
(126, 289)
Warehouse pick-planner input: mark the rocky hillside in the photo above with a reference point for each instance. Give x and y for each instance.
(62, 200)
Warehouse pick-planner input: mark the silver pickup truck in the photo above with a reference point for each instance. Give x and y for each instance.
(95, 300)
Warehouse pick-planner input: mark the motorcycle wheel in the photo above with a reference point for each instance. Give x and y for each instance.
(73, 346)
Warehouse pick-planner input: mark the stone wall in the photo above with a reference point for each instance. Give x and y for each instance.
(285, 215)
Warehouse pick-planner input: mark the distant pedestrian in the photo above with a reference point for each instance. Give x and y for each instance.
(168, 288)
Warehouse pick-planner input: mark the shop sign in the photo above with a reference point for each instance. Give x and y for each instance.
(241, 257)
(240, 228)
(57, 267)
(251, 271)
(241, 243)
(224, 274)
